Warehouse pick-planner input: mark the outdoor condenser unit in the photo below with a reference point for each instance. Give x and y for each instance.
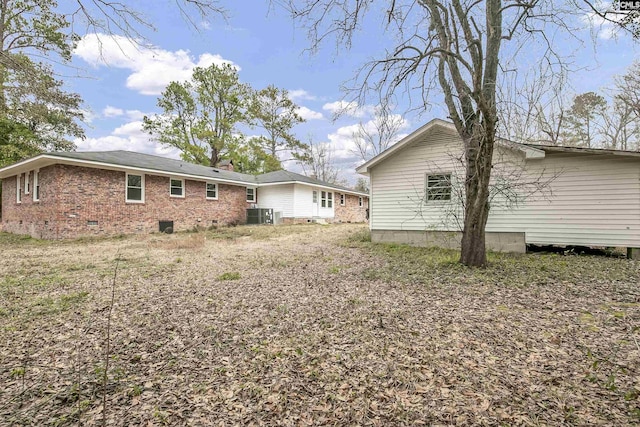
(259, 216)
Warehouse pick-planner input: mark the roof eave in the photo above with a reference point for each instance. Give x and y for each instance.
(319, 185)
(53, 159)
(435, 123)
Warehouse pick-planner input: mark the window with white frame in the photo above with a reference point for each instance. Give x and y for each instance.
(360, 201)
(438, 187)
(135, 188)
(315, 196)
(176, 187)
(212, 191)
(36, 186)
(26, 183)
(326, 199)
(342, 199)
(18, 189)
(251, 194)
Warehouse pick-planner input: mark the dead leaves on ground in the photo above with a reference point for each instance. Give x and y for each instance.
(314, 332)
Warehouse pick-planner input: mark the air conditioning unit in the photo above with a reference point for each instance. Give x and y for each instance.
(259, 216)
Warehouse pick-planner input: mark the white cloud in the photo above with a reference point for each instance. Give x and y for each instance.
(351, 109)
(130, 137)
(343, 139)
(309, 114)
(88, 115)
(152, 68)
(205, 25)
(605, 28)
(136, 114)
(110, 111)
(301, 94)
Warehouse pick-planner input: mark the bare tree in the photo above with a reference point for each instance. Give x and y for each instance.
(628, 88)
(455, 46)
(319, 163)
(362, 184)
(113, 17)
(532, 105)
(375, 136)
(621, 126)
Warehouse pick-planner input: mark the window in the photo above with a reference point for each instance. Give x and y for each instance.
(18, 189)
(326, 199)
(439, 187)
(315, 196)
(36, 186)
(251, 194)
(212, 191)
(360, 201)
(341, 199)
(176, 187)
(26, 182)
(135, 188)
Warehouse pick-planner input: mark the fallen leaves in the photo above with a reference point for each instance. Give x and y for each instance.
(313, 331)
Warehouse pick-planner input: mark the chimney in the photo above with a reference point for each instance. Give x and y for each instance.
(313, 176)
(226, 165)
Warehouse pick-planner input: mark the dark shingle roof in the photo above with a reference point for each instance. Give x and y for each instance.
(160, 164)
(286, 176)
(130, 159)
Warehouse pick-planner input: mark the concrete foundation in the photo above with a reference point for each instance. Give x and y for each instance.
(497, 242)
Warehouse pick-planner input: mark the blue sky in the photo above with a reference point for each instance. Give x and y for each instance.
(122, 82)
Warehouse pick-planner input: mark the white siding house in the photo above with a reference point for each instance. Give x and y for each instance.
(542, 195)
(279, 198)
(302, 199)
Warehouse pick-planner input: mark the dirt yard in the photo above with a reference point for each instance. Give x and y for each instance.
(311, 325)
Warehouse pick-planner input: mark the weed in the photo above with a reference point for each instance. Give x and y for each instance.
(17, 372)
(136, 390)
(230, 275)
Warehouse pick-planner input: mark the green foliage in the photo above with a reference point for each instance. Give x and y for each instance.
(276, 114)
(200, 117)
(36, 114)
(233, 275)
(249, 157)
(17, 372)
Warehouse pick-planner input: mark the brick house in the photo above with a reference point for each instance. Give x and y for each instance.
(74, 194)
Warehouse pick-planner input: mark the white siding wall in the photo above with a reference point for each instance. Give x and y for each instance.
(303, 202)
(398, 183)
(278, 197)
(293, 200)
(593, 199)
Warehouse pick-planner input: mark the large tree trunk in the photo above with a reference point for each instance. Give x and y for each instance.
(215, 157)
(478, 155)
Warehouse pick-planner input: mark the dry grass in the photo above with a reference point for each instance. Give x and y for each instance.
(313, 325)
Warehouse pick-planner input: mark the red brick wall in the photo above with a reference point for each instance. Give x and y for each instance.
(351, 211)
(72, 195)
(34, 218)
